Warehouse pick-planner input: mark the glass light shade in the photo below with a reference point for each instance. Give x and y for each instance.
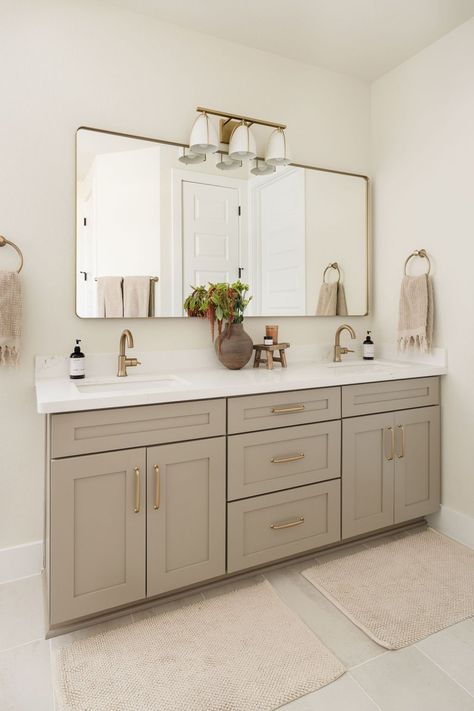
(263, 168)
(242, 143)
(203, 135)
(190, 158)
(277, 149)
(227, 163)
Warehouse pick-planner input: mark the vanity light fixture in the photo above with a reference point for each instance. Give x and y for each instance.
(242, 144)
(277, 148)
(262, 168)
(236, 131)
(227, 163)
(190, 158)
(203, 135)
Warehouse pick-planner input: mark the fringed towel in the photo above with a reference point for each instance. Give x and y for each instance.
(332, 300)
(136, 296)
(415, 326)
(109, 297)
(10, 318)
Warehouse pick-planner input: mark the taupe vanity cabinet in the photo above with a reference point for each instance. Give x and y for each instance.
(146, 500)
(390, 460)
(185, 514)
(97, 533)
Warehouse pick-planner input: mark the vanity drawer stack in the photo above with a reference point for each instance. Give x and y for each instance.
(283, 490)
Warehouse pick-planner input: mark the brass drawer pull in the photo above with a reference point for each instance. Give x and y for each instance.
(156, 505)
(291, 524)
(287, 410)
(284, 460)
(392, 443)
(137, 490)
(402, 450)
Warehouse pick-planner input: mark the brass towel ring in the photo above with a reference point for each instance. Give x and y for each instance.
(333, 265)
(4, 241)
(418, 253)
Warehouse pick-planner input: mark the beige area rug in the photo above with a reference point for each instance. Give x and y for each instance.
(240, 651)
(401, 591)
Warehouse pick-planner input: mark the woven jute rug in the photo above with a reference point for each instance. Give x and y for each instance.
(401, 591)
(240, 651)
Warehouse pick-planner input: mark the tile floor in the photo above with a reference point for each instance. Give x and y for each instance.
(434, 675)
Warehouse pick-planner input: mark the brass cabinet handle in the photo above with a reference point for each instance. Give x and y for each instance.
(284, 460)
(392, 447)
(402, 450)
(290, 524)
(156, 505)
(287, 410)
(137, 490)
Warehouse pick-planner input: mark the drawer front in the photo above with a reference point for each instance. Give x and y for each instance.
(298, 407)
(274, 526)
(105, 430)
(369, 398)
(262, 462)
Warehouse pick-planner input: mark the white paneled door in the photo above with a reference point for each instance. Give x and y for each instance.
(210, 234)
(280, 229)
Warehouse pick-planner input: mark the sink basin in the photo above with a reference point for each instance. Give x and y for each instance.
(369, 367)
(130, 384)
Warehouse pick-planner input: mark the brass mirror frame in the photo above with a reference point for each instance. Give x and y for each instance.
(368, 221)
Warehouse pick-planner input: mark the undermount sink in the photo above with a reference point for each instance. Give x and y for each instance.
(366, 367)
(130, 384)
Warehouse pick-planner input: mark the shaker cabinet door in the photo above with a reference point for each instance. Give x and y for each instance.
(417, 463)
(367, 473)
(186, 490)
(97, 533)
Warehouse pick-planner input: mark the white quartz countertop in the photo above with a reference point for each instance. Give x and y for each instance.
(150, 385)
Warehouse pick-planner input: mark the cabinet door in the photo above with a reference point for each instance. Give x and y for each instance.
(417, 467)
(97, 533)
(186, 514)
(367, 473)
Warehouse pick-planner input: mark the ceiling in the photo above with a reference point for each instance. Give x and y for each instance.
(362, 38)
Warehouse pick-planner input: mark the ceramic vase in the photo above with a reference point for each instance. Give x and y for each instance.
(235, 347)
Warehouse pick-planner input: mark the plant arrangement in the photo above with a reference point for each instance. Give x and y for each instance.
(221, 302)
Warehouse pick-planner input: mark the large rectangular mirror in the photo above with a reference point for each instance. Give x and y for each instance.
(149, 227)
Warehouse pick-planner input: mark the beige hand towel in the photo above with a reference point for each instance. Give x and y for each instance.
(136, 296)
(415, 326)
(332, 300)
(341, 301)
(10, 318)
(109, 297)
(327, 302)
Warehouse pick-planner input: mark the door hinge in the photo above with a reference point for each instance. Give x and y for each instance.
(240, 210)
(85, 221)
(241, 269)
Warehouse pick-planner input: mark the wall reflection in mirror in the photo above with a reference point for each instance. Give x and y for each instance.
(151, 226)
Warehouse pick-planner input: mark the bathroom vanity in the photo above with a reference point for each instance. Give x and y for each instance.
(148, 499)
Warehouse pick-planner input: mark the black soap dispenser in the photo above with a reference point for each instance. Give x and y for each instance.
(368, 348)
(77, 363)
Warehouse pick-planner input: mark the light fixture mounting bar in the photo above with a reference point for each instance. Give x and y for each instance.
(246, 119)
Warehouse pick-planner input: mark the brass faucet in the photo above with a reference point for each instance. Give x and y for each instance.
(338, 349)
(123, 361)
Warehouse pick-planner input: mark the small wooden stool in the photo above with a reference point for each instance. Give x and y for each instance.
(260, 348)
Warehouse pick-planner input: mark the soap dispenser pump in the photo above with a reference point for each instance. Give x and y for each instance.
(77, 363)
(368, 348)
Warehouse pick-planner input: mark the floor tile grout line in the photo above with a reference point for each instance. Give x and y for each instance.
(23, 644)
(364, 691)
(422, 651)
(367, 661)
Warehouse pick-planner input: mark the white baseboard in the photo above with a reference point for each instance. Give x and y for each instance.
(454, 524)
(21, 561)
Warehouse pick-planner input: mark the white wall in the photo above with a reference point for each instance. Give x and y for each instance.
(69, 64)
(423, 166)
